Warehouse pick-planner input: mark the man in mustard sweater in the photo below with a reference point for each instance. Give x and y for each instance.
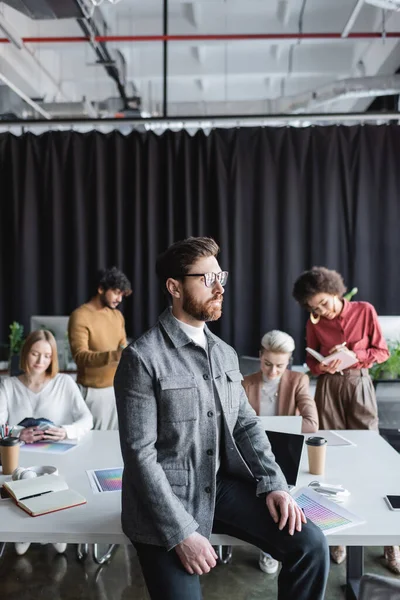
(97, 336)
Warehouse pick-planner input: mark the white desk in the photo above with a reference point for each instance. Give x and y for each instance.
(369, 470)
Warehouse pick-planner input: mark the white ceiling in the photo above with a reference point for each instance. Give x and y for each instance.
(213, 77)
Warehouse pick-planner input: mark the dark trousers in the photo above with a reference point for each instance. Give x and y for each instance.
(238, 512)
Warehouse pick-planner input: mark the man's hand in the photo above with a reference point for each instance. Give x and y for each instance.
(196, 554)
(284, 509)
(55, 434)
(30, 435)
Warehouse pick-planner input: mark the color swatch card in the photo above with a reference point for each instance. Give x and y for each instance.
(327, 515)
(48, 447)
(105, 480)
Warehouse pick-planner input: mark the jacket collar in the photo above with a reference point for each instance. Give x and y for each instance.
(176, 334)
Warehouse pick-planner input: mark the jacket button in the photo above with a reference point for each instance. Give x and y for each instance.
(205, 376)
(207, 489)
(210, 452)
(210, 413)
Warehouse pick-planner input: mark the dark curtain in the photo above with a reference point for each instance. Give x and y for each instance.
(277, 200)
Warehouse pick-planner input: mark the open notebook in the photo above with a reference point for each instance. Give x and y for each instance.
(346, 359)
(43, 495)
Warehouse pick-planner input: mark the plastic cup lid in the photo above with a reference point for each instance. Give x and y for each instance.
(316, 441)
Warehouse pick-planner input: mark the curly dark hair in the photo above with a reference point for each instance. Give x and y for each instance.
(112, 279)
(178, 258)
(315, 281)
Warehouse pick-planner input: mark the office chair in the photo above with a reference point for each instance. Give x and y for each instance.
(376, 587)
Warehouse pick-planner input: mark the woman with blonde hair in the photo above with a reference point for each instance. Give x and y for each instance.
(42, 392)
(275, 390)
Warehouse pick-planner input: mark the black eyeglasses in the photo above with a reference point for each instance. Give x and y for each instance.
(211, 278)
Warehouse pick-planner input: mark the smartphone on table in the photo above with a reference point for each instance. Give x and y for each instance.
(393, 502)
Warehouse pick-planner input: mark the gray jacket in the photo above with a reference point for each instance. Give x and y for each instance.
(167, 423)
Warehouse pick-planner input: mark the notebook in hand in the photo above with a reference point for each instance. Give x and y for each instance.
(347, 360)
(43, 495)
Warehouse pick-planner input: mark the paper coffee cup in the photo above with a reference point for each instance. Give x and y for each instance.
(9, 447)
(316, 448)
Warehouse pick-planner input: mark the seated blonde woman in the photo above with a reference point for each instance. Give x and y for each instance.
(41, 391)
(275, 390)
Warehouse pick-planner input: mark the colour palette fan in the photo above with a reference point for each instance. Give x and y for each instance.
(327, 515)
(48, 447)
(108, 480)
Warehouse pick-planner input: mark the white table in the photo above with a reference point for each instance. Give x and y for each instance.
(370, 470)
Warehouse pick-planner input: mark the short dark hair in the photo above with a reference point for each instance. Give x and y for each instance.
(112, 279)
(315, 281)
(178, 258)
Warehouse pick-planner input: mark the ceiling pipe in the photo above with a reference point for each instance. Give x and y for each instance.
(92, 28)
(355, 87)
(352, 18)
(369, 35)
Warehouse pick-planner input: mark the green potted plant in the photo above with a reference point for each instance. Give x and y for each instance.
(16, 338)
(390, 369)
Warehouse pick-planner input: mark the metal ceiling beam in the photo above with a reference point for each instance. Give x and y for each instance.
(26, 98)
(352, 18)
(366, 35)
(182, 122)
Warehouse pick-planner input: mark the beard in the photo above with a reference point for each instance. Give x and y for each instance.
(202, 311)
(105, 303)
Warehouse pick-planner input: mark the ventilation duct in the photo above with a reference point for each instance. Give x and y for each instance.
(46, 9)
(92, 25)
(358, 87)
(385, 4)
(62, 110)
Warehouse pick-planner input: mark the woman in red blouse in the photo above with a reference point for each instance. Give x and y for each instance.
(345, 399)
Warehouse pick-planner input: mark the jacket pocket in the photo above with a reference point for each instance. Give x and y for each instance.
(179, 399)
(177, 477)
(179, 481)
(234, 381)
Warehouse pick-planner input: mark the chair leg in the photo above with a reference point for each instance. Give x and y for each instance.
(100, 560)
(2, 546)
(224, 554)
(82, 552)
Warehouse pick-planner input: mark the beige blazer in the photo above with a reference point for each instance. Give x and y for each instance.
(293, 397)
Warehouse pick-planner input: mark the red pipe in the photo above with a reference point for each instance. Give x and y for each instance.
(206, 38)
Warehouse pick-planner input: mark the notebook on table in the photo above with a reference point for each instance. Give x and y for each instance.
(287, 449)
(43, 495)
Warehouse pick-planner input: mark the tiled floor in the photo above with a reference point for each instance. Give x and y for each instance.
(41, 574)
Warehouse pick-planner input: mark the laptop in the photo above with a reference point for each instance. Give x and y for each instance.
(287, 449)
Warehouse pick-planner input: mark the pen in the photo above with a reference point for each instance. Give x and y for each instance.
(35, 495)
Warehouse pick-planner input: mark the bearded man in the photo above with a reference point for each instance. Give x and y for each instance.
(196, 458)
